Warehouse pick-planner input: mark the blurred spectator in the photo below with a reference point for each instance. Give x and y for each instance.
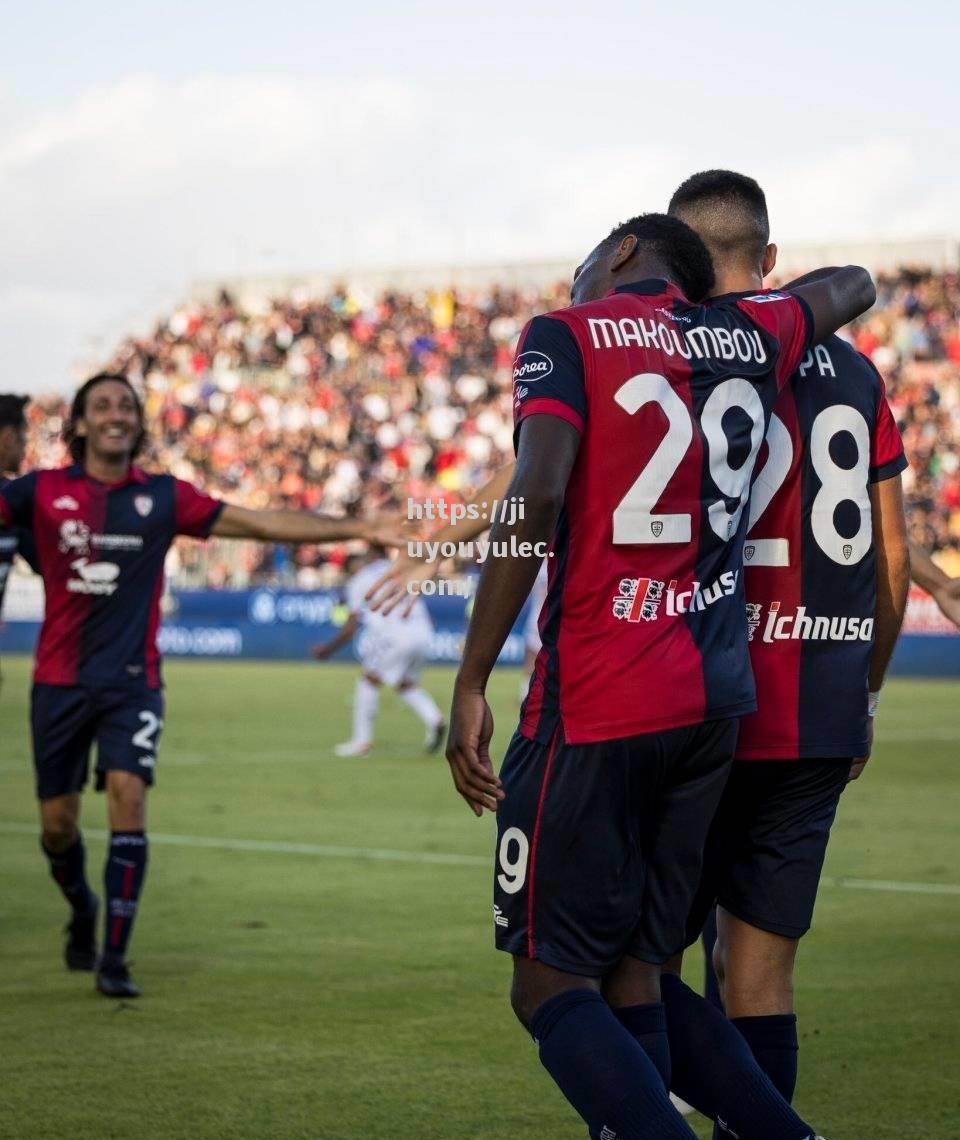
(350, 402)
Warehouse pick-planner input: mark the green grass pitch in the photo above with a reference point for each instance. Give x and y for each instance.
(311, 994)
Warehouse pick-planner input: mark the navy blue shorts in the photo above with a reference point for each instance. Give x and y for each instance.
(767, 844)
(125, 722)
(599, 846)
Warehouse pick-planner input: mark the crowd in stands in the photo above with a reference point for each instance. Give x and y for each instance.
(350, 403)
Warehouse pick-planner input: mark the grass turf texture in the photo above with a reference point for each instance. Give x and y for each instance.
(304, 997)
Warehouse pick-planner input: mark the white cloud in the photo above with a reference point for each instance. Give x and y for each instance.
(134, 188)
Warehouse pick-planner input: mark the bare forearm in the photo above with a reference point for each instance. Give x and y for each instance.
(924, 571)
(465, 529)
(893, 584)
(286, 526)
(505, 584)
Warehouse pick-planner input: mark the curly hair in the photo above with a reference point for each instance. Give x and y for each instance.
(77, 444)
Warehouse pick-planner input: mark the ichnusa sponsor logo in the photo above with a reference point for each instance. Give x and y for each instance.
(698, 597)
(66, 503)
(800, 626)
(532, 365)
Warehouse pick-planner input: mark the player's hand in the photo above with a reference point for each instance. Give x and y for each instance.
(856, 769)
(948, 599)
(322, 652)
(468, 751)
(384, 530)
(396, 587)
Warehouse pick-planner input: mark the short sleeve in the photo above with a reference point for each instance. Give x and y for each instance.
(786, 317)
(548, 376)
(196, 512)
(16, 501)
(886, 447)
(27, 549)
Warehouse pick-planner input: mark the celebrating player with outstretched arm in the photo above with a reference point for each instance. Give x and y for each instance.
(637, 435)
(102, 528)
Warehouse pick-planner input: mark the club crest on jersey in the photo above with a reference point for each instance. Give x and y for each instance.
(143, 505)
(638, 600)
(754, 609)
(657, 528)
(74, 536)
(532, 365)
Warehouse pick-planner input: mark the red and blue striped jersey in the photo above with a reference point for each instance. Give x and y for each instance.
(13, 542)
(101, 550)
(810, 565)
(643, 627)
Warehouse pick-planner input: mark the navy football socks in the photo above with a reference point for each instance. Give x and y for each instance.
(602, 1071)
(647, 1024)
(715, 1071)
(123, 879)
(68, 869)
(773, 1041)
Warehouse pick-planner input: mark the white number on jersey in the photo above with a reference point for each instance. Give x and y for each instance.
(837, 485)
(634, 520)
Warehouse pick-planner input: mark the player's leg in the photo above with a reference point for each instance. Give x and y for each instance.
(757, 971)
(712, 1066)
(128, 733)
(409, 668)
(708, 939)
(767, 899)
(366, 700)
(62, 730)
(569, 880)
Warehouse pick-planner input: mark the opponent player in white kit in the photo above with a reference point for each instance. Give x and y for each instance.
(392, 648)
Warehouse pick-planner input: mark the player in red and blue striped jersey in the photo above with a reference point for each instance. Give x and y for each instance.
(102, 528)
(826, 572)
(640, 415)
(13, 444)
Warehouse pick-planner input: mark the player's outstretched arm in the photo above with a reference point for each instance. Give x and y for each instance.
(394, 587)
(835, 297)
(547, 450)
(944, 590)
(341, 637)
(893, 583)
(302, 526)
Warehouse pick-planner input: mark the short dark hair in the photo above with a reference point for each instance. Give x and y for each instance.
(673, 243)
(12, 412)
(729, 210)
(77, 444)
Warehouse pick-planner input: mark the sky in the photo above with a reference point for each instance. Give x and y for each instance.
(145, 146)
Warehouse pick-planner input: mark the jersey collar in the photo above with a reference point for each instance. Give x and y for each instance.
(134, 475)
(648, 287)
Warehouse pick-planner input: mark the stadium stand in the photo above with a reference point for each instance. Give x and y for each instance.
(355, 399)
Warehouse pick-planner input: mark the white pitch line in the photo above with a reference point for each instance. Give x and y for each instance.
(892, 885)
(276, 847)
(437, 858)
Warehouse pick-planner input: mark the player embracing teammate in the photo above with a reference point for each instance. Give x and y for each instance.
(102, 528)
(636, 444)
